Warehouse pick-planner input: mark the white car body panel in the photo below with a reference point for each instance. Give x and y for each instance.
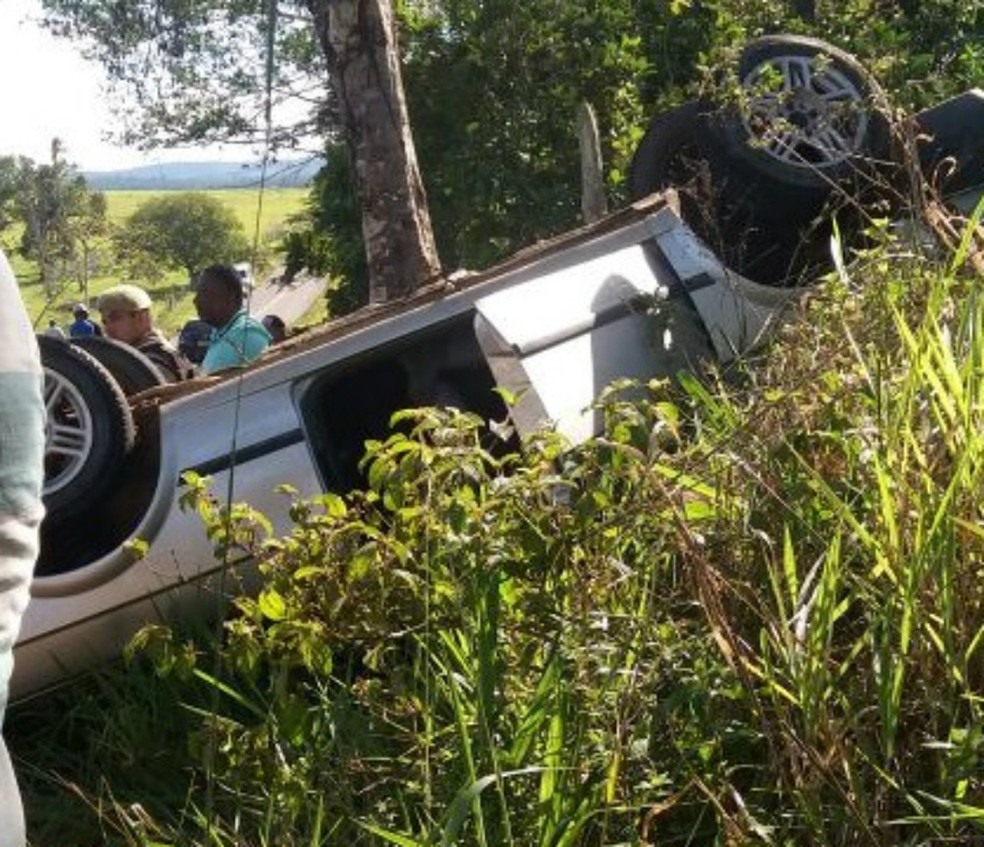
(613, 317)
(737, 313)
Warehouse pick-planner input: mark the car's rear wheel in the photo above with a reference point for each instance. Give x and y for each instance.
(725, 206)
(669, 154)
(759, 179)
(131, 369)
(89, 429)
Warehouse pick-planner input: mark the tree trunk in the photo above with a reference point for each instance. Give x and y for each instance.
(358, 38)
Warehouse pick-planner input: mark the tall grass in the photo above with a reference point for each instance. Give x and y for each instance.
(751, 612)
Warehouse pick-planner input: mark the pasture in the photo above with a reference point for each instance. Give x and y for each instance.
(277, 205)
(171, 293)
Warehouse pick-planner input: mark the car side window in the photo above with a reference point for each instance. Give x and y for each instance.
(353, 402)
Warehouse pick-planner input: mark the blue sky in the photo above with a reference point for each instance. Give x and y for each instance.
(48, 90)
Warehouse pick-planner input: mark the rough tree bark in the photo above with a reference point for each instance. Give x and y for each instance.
(358, 37)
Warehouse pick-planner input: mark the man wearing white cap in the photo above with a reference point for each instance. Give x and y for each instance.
(126, 317)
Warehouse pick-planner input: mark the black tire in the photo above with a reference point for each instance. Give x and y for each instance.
(90, 429)
(677, 152)
(131, 369)
(669, 148)
(811, 116)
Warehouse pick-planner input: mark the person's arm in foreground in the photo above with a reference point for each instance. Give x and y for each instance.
(22, 419)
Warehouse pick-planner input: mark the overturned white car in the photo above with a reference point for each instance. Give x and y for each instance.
(635, 295)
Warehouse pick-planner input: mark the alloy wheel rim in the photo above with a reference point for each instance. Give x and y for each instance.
(804, 112)
(68, 431)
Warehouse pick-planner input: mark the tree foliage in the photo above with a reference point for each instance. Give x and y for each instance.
(187, 231)
(326, 237)
(87, 230)
(194, 72)
(59, 213)
(210, 67)
(493, 87)
(9, 181)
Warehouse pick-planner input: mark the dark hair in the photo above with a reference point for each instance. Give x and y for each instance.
(227, 277)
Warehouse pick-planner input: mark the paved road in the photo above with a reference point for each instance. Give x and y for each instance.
(290, 301)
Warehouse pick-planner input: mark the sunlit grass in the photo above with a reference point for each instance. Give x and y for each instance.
(277, 205)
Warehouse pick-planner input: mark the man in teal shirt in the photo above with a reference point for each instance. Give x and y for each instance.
(237, 339)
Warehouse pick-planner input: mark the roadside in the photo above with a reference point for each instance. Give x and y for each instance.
(289, 300)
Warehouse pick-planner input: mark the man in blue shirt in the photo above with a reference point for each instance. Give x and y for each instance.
(22, 423)
(237, 339)
(82, 326)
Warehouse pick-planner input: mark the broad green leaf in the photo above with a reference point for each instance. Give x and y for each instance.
(272, 604)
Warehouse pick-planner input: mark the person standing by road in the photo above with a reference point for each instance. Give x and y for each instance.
(22, 426)
(53, 330)
(82, 326)
(126, 314)
(237, 339)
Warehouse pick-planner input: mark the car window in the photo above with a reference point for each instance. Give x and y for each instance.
(351, 404)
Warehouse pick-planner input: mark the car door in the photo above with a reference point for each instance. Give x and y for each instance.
(651, 306)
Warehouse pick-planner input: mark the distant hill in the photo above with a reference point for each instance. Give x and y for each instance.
(203, 175)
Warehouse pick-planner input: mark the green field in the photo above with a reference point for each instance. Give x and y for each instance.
(172, 295)
(278, 205)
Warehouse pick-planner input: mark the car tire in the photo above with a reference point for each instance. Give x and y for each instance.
(677, 151)
(131, 369)
(89, 430)
(810, 115)
(671, 144)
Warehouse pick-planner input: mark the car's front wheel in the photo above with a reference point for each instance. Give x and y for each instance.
(808, 114)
